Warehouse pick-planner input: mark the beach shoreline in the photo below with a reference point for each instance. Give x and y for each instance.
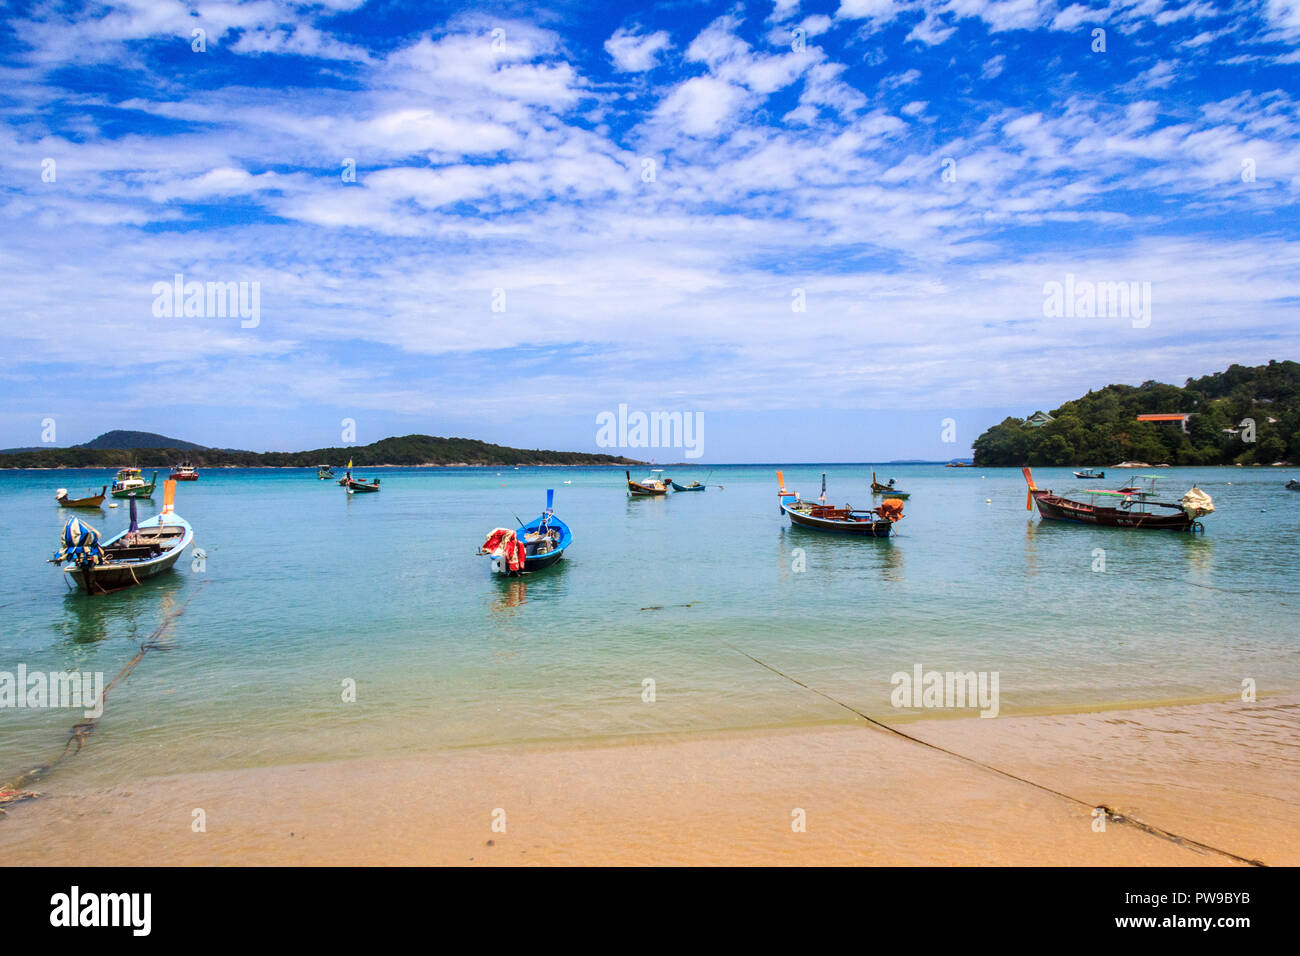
(1215, 777)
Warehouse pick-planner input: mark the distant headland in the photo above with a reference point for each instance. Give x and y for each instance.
(119, 449)
(1242, 416)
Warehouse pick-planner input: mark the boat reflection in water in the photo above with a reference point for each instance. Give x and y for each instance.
(133, 611)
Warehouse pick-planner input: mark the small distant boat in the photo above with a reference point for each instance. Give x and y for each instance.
(1293, 485)
(128, 483)
(1090, 474)
(693, 486)
(653, 485)
(876, 523)
(139, 552)
(91, 501)
(958, 464)
(185, 471)
(533, 546)
(324, 472)
(355, 485)
(878, 489)
(1132, 506)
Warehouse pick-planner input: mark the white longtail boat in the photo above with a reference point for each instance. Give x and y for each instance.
(139, 552)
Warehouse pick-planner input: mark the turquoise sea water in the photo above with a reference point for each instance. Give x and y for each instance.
(305, 586)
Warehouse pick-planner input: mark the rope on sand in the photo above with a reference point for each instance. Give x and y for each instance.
(1110, 814)
(12, 791)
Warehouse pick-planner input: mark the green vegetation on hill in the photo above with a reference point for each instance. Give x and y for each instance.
(1101, 428)
(119, 439)
(407, 450)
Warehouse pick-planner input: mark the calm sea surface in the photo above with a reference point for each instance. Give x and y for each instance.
(306, 587)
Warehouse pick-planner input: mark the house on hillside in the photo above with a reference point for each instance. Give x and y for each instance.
(1180, 417)
(1039, 419)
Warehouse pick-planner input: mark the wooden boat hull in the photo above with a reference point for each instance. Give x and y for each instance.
(677, 487)
(871, 528)
(93, 501)
(878, 489)
(114, 576)
(360, 486)
(639, 490)
(1055, 508)
(184, 477)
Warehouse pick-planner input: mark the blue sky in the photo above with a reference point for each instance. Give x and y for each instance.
(649, 189)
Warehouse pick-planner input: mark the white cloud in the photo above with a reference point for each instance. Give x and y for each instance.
(484, 166)
(633, 52)
(932, 30)
(1284, 17)
(702, 105)
(878, 10)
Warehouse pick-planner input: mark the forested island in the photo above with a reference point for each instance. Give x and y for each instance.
(157, 451)
(1242, 415)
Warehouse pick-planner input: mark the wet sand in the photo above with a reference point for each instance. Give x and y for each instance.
(1221, 774)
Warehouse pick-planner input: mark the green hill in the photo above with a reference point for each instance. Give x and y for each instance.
(406, 450)
(1101, 428)
(118, 439)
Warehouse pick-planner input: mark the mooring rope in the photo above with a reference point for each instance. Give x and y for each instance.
(13, 790)
(1109, 813)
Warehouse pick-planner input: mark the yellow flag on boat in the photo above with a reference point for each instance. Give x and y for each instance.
(349, 464)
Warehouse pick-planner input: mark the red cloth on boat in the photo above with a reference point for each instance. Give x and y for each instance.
(891, 508)
(503, 541)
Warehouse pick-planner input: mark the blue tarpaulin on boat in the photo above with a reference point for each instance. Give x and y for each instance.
(80, 542)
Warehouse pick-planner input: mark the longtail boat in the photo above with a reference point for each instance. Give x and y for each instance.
(184, 472)
(1089, 475)
(653, 485)
(878, 489)
(324, 472)
(355, 485)
(533, 546)
(875, 523)
(1128, 507)
(139, 552)
(693, 486)
(90, 501)
(128, 483)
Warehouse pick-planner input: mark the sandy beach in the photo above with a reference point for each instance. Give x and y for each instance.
(1219, 774)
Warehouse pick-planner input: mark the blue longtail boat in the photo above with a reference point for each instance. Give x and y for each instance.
(544, 540)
